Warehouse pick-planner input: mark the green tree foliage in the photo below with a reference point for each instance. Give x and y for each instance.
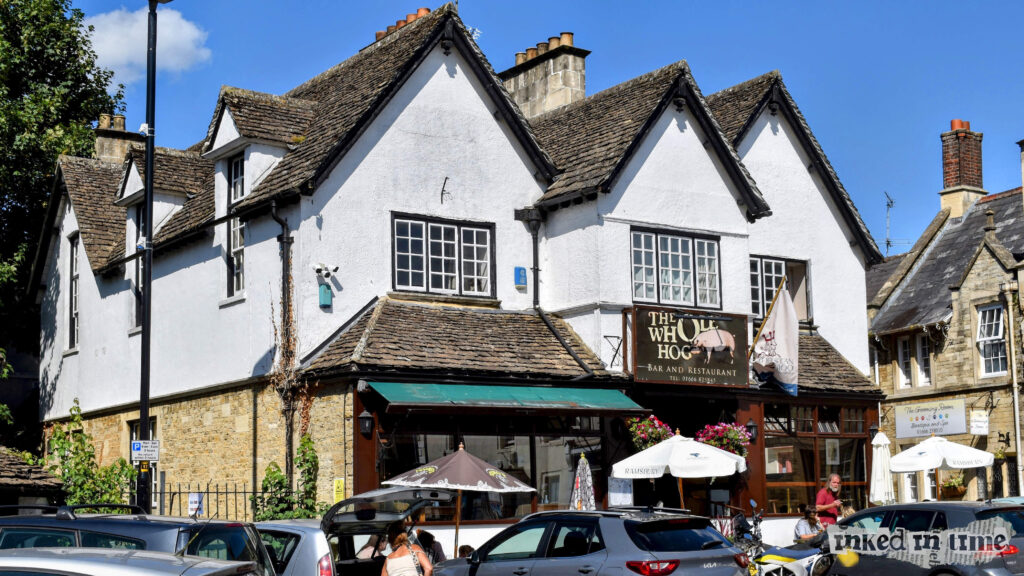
(50, 91)
(72, 459)
(277, 501)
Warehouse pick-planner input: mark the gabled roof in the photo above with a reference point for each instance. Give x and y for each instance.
(261, 116)
(403, 336)
(907, 261)
(91, 185)
(877, 275)
(923, 297)
(593, 139)
(737, 107)
(179, 171)
(349, 96)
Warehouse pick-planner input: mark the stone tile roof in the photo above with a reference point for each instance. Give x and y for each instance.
(17, 476)
(923, 296)
(178, 171)
(91, 185)
(878, 274)
(823, 369)
(348, 96)
(737, 107)
(590, 140)
(397, 335)
(262, 116)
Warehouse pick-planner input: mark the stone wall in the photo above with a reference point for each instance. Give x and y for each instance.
(213, 439)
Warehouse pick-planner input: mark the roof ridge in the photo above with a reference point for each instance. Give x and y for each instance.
(360, 347)
(229, 91)
(370, 49)
(773, 74)
(998, 195)
(613, 90)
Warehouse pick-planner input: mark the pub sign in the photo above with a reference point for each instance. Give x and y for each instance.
(677, 346)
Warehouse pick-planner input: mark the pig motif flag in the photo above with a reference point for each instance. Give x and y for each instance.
(776, 349)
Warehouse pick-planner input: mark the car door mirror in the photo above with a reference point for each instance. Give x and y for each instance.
(475, 558)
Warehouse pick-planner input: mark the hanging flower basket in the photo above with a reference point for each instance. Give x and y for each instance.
(730, 437)
(950, 492)
(646, 432)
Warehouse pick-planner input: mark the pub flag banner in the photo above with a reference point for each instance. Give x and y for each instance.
(776, 348)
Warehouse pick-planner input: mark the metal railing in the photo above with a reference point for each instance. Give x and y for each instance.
(220, 500)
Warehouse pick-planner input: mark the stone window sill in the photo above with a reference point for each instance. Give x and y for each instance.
(134, 331)
(71, 352)
(237, 298)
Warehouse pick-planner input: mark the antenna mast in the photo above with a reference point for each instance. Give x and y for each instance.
(889, 242)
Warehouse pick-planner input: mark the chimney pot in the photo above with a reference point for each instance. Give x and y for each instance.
(410, 18)
(554, 42)
(957, 124)
(531, 53)
(119, 122)
(967, 125)
(542, 47)
(399, 23)
(521, 57)
(421, 12)
(379, 34)
(566, 39)
(104, 121)
(391, 29)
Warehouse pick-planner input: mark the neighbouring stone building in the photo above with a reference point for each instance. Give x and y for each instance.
(410, 251)
(946, 329)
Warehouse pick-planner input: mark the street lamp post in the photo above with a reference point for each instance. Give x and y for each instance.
(143, 497)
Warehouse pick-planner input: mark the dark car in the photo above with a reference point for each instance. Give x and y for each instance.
(929, 520)
(70, 526)
(652, 542)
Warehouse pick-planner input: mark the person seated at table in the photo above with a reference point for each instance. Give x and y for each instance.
(809, 526)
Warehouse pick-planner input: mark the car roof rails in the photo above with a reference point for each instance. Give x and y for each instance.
(68, 512)
(12, 509)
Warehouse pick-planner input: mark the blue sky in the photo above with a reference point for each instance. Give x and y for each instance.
(878, 81)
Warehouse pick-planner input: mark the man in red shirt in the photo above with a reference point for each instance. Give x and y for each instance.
(828, 503)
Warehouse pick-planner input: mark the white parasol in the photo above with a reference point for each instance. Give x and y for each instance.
(938, 453)
(881, 491)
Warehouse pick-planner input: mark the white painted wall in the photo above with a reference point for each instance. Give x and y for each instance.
(672, 183)
(441, 124)
(807, 225)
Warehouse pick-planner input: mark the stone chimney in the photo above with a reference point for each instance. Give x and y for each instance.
(112, 141)
(547, 76)
(961, 168)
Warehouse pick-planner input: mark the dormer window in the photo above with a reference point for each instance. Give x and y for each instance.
(236, 177)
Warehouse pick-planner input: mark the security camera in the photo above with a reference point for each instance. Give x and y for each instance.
(324, 271)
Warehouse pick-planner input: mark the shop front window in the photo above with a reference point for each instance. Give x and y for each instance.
(804, 445)
(548, 463)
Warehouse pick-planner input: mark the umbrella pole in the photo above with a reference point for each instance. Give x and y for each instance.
(682, 503)
(458, 516)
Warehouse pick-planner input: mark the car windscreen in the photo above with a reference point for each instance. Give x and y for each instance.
(1014, 518)
(674, 535)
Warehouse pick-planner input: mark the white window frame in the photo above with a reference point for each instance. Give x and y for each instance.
(236, 178)
(236, 257)
(766, 280)
(74, 320)
(990, 338)
(904, 375)
(923, 355)
(675, 269)
(442, 257)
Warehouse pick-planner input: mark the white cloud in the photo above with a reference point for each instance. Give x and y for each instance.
(120, 42)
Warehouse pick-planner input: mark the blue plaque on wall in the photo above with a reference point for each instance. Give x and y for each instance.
(520, 277)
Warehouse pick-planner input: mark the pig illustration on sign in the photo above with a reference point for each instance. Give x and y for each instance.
(711, 341)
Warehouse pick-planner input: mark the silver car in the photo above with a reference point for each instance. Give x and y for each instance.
(114, 562)
(616, 542)
(296, 546)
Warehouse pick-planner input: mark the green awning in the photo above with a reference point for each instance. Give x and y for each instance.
(404, 396)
